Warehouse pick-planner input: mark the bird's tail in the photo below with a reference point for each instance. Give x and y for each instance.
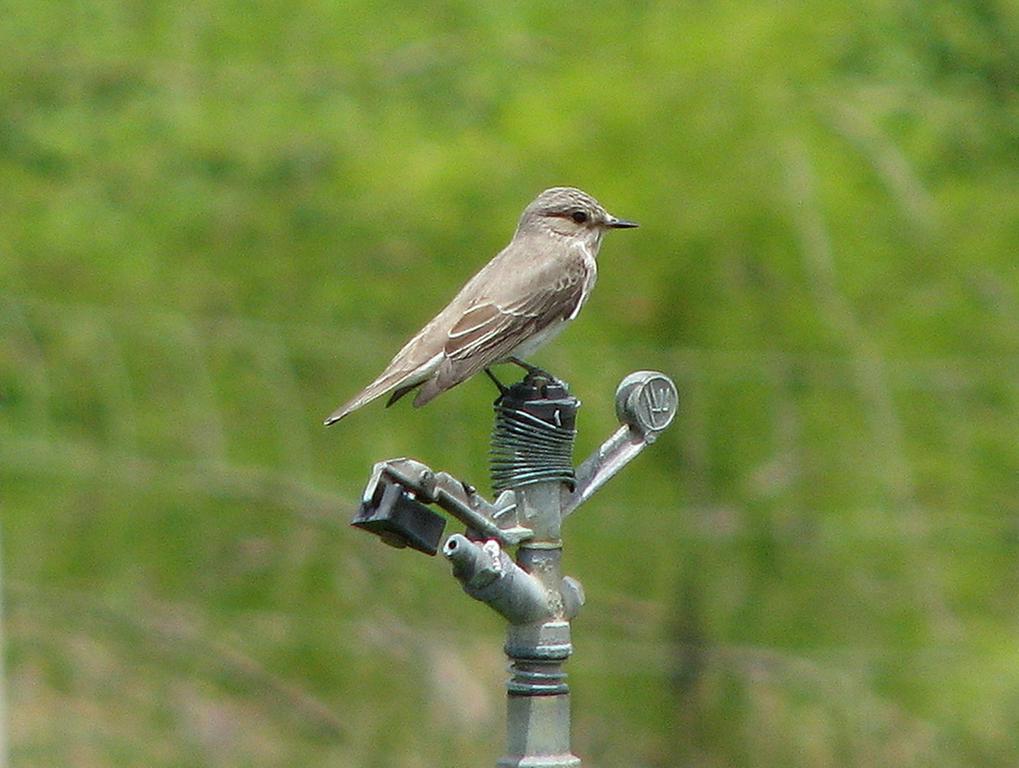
(379, 387)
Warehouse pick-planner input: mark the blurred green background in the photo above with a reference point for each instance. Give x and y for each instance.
(219, 219)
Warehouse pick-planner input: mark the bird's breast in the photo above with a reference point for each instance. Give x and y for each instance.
(530, 345)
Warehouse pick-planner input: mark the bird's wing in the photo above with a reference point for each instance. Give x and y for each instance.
(491, 328)
(418, 358)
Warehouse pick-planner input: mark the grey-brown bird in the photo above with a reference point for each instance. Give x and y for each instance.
(518, 301)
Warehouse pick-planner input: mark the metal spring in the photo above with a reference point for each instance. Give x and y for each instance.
(526, 449)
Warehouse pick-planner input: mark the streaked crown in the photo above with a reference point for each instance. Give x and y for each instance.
(568, 211)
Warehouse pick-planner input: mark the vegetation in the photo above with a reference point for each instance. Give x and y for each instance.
(221, 219)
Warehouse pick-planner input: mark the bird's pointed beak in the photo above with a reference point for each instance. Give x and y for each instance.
(615, 223)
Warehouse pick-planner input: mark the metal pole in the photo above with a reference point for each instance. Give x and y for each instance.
(538, 697)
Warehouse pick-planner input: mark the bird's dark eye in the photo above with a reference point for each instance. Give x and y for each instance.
(579, 216)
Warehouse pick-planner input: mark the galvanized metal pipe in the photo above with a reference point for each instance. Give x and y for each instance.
(489, 575)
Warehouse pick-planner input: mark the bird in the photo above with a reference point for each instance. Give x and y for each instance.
(517, 302)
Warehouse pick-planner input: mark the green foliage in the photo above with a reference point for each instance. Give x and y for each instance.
(220, 219)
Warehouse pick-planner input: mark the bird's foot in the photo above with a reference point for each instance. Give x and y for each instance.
(539, 379)
(503, 389)
(532, 370)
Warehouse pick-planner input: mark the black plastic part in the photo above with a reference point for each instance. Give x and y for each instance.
(400, 520)
(545, 398)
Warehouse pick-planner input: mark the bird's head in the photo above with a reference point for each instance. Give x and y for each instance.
(569, 212)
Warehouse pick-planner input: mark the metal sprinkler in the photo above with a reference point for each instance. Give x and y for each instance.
(537, 488)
